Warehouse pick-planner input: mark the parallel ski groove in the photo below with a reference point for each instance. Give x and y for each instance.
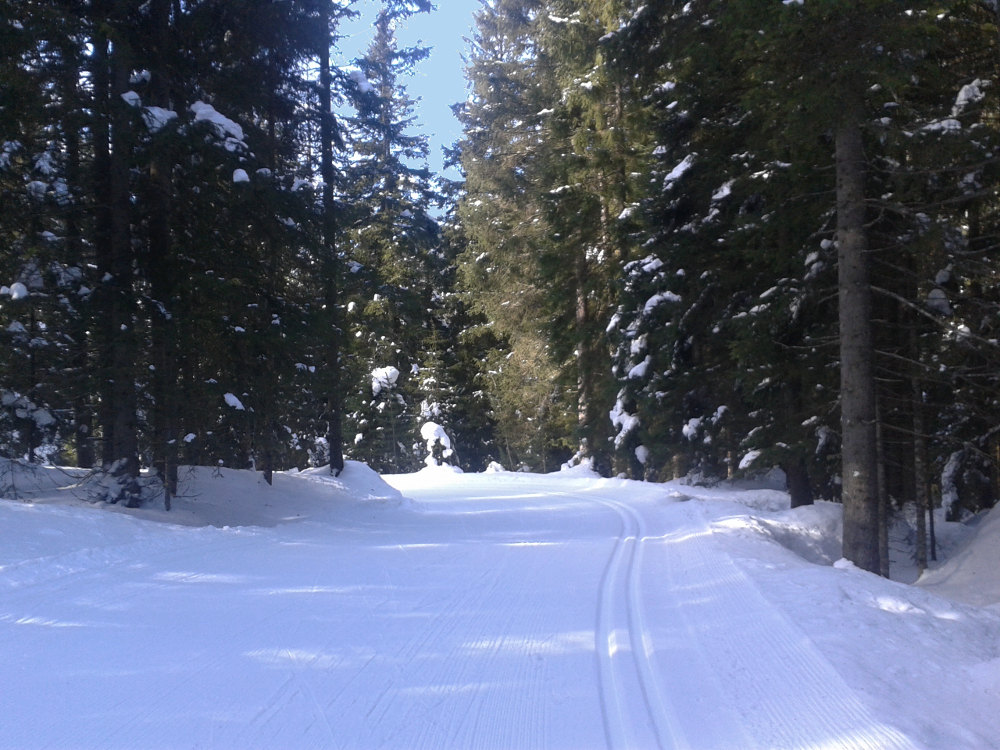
(819, 707)
(665, 721)
(610, 689)
(662, 718)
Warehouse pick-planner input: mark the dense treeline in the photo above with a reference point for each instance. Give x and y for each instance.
(694, 239)
(762, 233)
(205, 255)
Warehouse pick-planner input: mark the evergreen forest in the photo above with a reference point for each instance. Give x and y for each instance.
(691, 239)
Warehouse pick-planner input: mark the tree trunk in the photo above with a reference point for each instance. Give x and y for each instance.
(267, 459)
(857, 356)
(798, 482)
(680, 465)
(81, 386)
(103, 303)
(116, 302)
(920, 475)
(930, 526)
(126, 445)
(584, 396)
(883, 497)
(161, 274)
(331, 266)
(33, 439)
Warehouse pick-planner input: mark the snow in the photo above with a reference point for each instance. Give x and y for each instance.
(433, 434)
(18, 291)
(943, 126)
(658, 299)
(937, 301)
(383, 378)
(240, 175)
(624, 421)
(651, 264)
(494, 610)
(132, 99)
(223, 125)
(970, 93)
(949, 491)
(6, 150)
(234, 402)
(639, 370)
(724, 191)
(973, 574)
(364, 86)
(677, 172)
(157, 118)
(690, 429)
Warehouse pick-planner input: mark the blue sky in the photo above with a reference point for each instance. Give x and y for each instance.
(439, 81)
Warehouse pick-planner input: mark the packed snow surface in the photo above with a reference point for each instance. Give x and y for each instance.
(498, 610)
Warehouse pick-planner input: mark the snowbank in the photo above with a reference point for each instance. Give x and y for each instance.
(222, 497)
(972, 575)
(813, 532)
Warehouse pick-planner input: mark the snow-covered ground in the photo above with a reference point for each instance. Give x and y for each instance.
(494, 611)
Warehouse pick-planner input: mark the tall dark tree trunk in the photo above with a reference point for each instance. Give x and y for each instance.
(33, 437)
(857, 355)
(920, 474)
(103, 303)
(267, 456)
(331, 265)
(80, 386)
(798, 482)
(114, 257)
(883, 497)
(126, 443)
(584, 396)
(932, 533)
(160, 270)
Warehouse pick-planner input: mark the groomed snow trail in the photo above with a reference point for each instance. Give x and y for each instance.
(505, 611)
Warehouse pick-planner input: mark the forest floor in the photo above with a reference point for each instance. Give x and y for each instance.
(440, 610)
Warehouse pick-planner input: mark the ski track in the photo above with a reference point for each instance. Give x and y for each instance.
(622, 733)
(788, 695)
(452, 642)
(782, 693)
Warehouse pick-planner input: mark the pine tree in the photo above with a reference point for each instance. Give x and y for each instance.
(505, 155)
(171, 234)
(393, 243)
